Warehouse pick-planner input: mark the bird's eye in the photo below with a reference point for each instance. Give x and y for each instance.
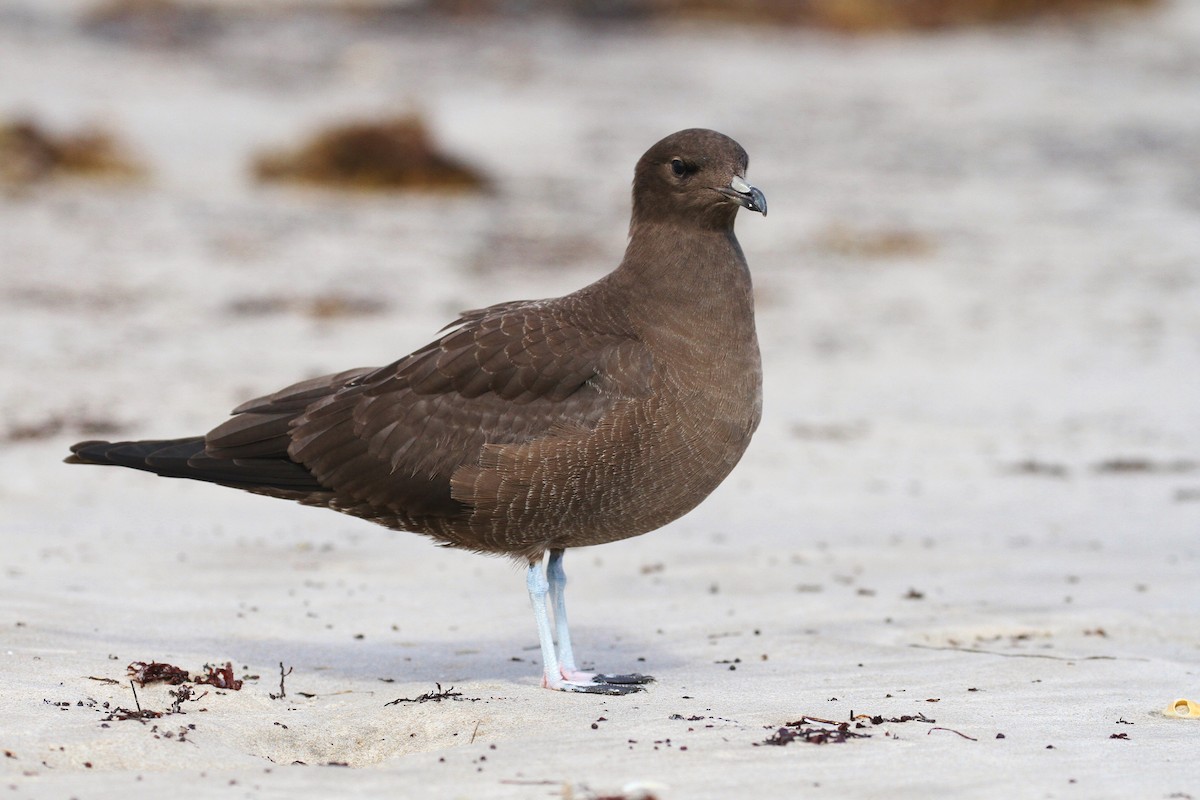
(678, 167)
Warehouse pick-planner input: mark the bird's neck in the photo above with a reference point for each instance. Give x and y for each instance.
(686, 277)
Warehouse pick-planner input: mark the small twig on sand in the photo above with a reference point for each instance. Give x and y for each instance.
(282, 692)
(960, 733)
(437, 697)
(135, 697)
(810, 718)
(1027, 655)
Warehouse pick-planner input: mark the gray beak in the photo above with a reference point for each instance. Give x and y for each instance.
(745, 195)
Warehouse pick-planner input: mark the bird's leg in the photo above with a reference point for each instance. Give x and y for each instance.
(557, 583)
(557, 580)
(535, 581)
(552, 672)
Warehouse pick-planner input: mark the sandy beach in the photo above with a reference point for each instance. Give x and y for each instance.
(969, 523)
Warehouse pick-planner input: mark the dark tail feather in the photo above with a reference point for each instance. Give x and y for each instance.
(133, 454)
(186, 458)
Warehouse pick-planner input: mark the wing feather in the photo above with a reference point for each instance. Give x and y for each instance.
(392, 438)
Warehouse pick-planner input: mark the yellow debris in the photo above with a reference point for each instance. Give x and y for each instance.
(1186, 709)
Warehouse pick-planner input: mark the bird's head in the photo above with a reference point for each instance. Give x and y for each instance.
(694, 177)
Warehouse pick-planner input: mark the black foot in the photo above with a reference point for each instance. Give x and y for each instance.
(632, 679)
(604, 688)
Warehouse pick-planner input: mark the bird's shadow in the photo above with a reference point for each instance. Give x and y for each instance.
(510, 659)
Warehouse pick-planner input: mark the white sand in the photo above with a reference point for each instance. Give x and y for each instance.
(1044, 307)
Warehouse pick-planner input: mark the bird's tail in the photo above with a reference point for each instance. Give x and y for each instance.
(166, 457)
(186, 458)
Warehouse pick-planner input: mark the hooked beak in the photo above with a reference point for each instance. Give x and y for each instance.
(745, 195)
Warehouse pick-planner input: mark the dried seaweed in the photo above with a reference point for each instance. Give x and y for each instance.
(220, 677)
(139, 714)
(817, 730)
(1044, 469)
(321, 307)
(435, 697)
(392, 153)
(183, 694)
(1146, 466)
(157, 672)
(821, 733)
(879, 720)
(843, 16)
(122, 714)
(153, 23)
(29, 153)
(868, 16)
(102, 680)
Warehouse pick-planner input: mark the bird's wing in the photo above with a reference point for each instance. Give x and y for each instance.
(391, 438)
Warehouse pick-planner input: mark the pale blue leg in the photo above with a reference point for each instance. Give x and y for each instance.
(552, 675)
(556, 583)
(535, 581)
(557, 579)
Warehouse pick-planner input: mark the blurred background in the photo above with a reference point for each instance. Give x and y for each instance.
(978, 297)
(981, 259)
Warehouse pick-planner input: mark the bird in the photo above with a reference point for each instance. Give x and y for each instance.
(531, 427)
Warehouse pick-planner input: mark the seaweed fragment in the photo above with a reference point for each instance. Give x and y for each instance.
(394, 153)
(220, 677)
(823, 732)
(30, 153)
(145, 672)
(434, 697)
(818, 730)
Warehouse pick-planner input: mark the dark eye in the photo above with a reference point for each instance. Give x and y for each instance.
(678, 167)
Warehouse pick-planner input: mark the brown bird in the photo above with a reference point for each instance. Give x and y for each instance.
(536, 425)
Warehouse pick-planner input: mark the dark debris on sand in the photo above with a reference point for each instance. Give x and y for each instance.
(395, 153)
(29, 153)
(816, 730)
(434, 697)
(842, 16)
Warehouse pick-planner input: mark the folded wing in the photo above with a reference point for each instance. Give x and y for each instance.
(385, 442)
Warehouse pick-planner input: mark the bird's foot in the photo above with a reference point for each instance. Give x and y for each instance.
(630, 679)
(592, 683)
(602, 688)
(579, 676)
